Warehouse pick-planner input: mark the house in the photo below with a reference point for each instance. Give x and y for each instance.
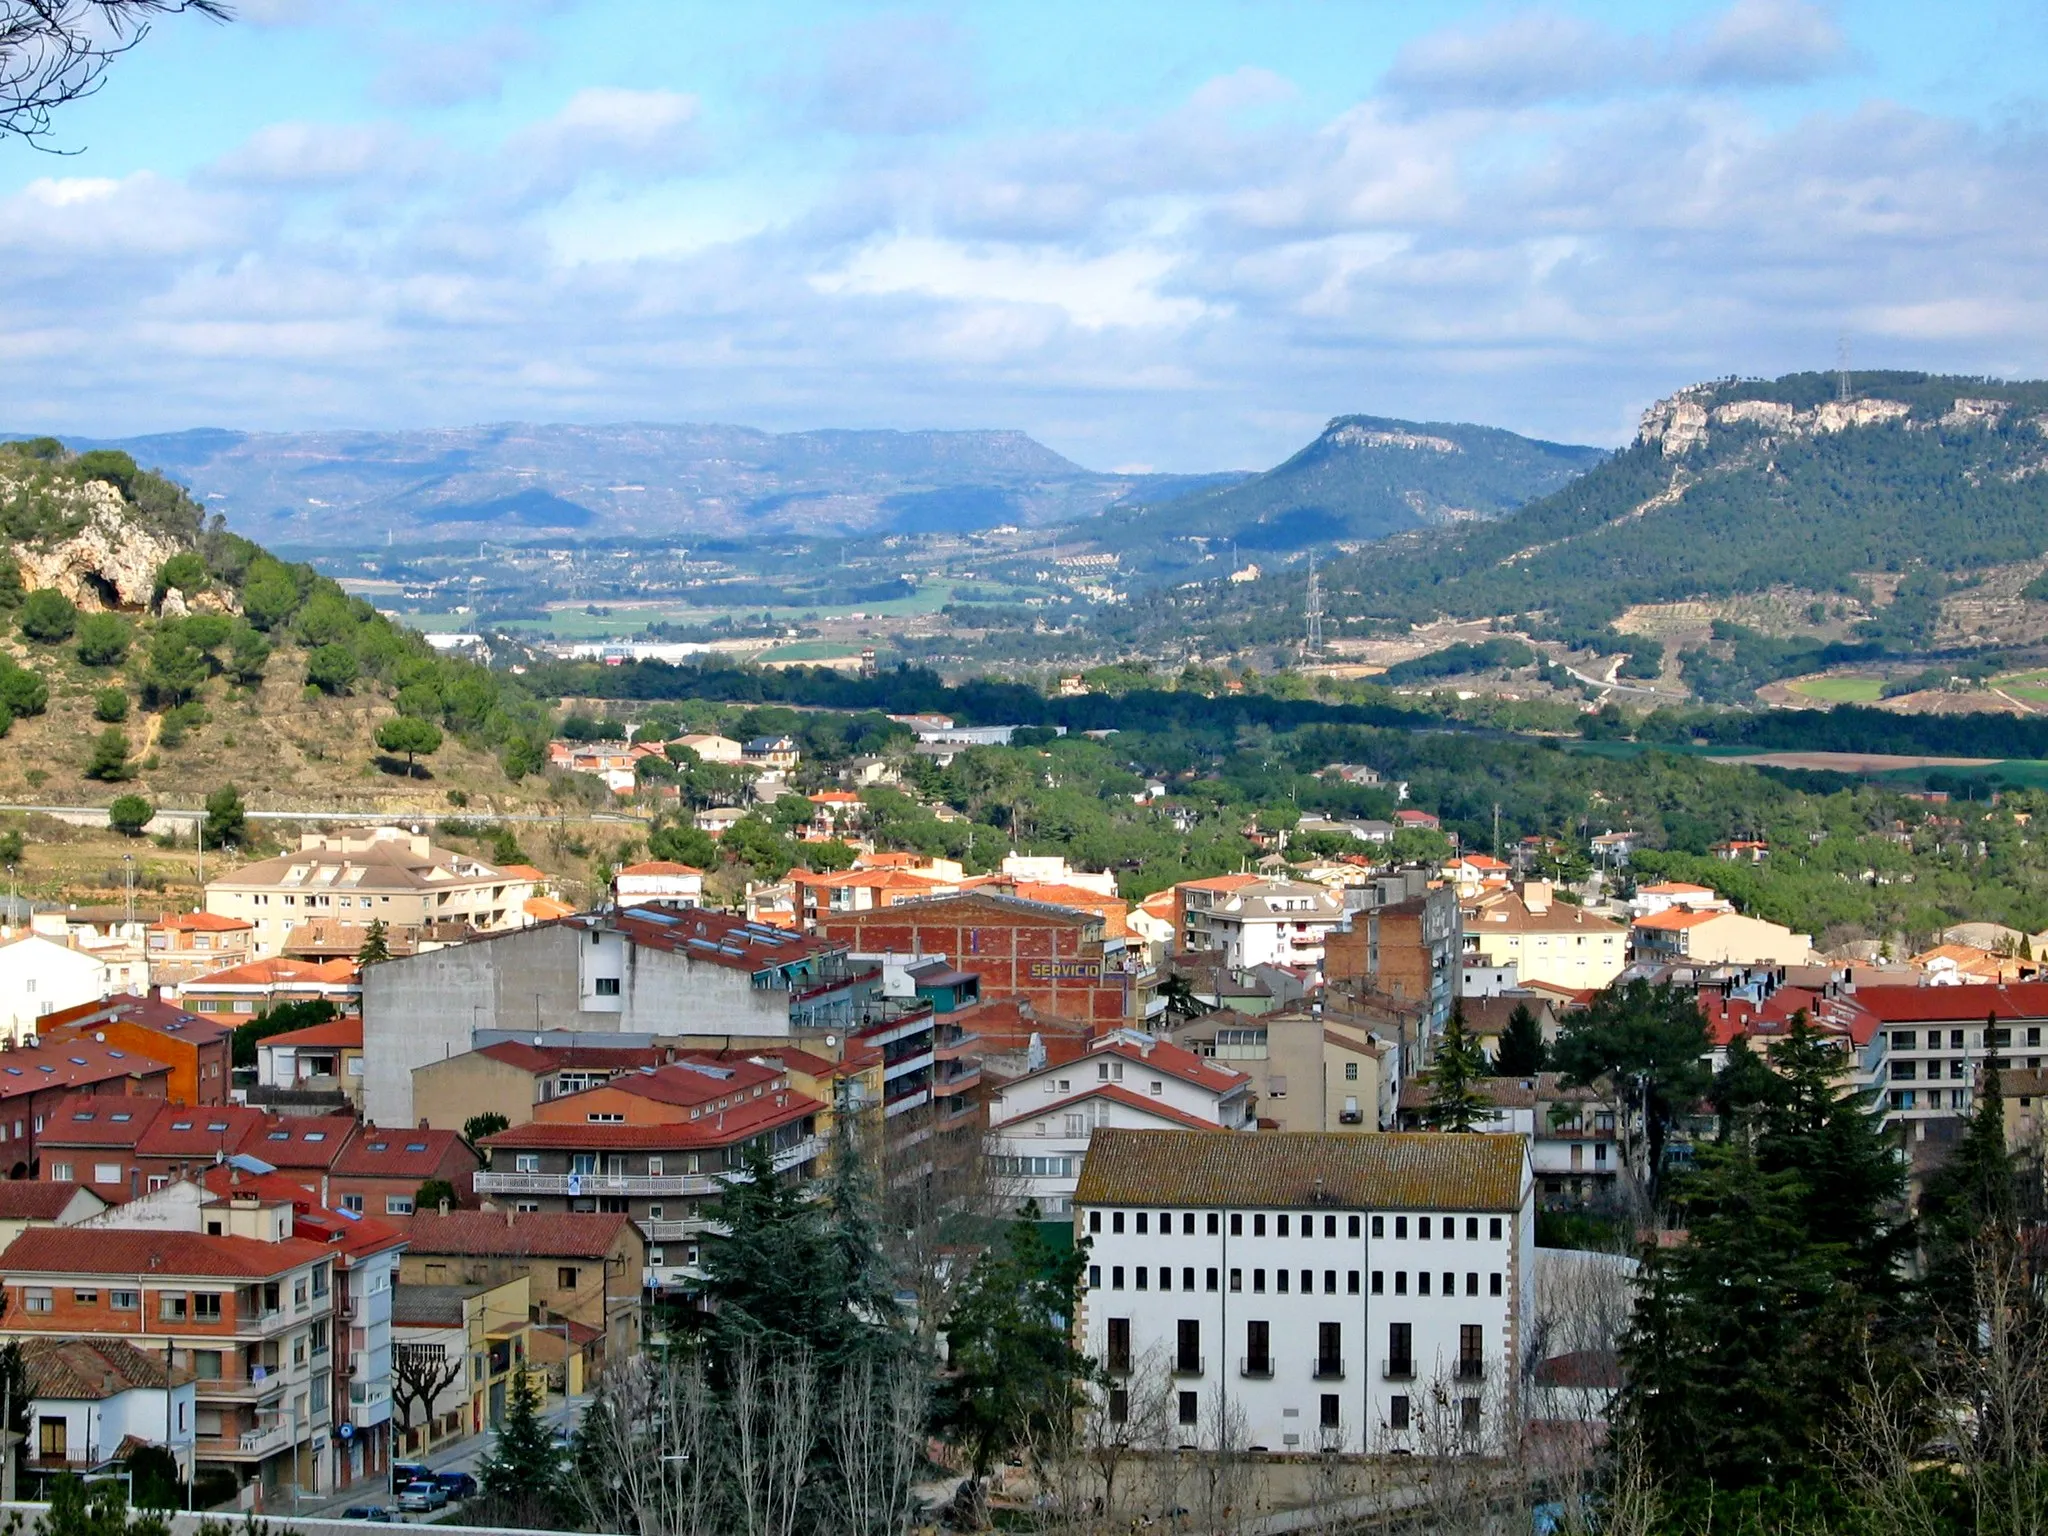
(656, 1145)
(396, 877)
(1486, 1018)
(1474, 873)
(1053, 869)
(125, 1149)
(717, 819)
(1676, 895)
(1064, 961)
(778, 752)
(1409, 819)
(1041, 1124)
(92, 1399)
(636, 970)
(1718, 938)
(1614, 848)
(198, 1051)
(662, 880)
(1546, 940)
(34, 1079)
(611, 761)
(1258, 921)
(40, 975)
(253, 1316)
(458, 1348)
(836, 810)
(712, 748)
(1352, 1293)
(252, 990)
(379, 1171)
(1950, 965)
(1309, 1072)
(26, 1203)
(1741, 851)
(583, 1268)
(322, 1059)
(859, 890)
(1405, 944)
(509, 1077)
(187, 944)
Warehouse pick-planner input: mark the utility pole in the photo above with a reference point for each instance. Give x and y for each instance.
(1313, 642)
(1842, 390)
(1496, 829)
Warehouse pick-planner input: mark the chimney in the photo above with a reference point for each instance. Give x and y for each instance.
(444, 1205)
(508, 1216)
(1536, 896)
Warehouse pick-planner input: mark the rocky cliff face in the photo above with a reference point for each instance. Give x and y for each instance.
(108, 562)
(1684, 421)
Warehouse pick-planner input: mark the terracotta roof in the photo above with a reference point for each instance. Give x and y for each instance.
(200, 1133)
(301, 1141)
(275, 972)
(1116, 1093)
(661, 867)
(714, 1128)
(552, 1058)
(203, 922)
(35, 1200)
(522, 872)
(687, 1083)
(160, 1254)
(545, 909)
(2021, 1084)
(151, 1013)
(91, 1370)
(1674, 888)
(1219, 883)
(1173, 1060)
(1674, 918)
(716, 938)
(1412, 1171)
(398, 1154)
(95, 1120)
(520, 1234)
(346, 1031)
(1962, 1005)
(1508, 913)
(70, 1062)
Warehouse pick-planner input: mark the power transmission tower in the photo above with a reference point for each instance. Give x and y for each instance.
(1842, 367)
(1314, 606)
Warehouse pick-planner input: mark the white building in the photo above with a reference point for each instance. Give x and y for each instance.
(1053, 869)
(40, 975)
(1041, 1124)
(89, 1398)
(660, 880)
(1261, 922)
(1666, 895)
(1298, 1291)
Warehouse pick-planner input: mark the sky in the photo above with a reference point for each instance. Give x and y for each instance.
(1172, 236)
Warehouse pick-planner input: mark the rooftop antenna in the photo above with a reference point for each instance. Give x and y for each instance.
(1842, 367)
(1314, 639)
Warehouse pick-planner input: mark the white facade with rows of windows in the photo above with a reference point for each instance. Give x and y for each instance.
(1354, 1324)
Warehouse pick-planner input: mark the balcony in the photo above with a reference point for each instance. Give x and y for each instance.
(250, 1445)
(1259, 1368)
(651, 1184)
(1327, 1369)
(1190, 1365)
(1397, 1370)
(240, 1389)
(678, 1231)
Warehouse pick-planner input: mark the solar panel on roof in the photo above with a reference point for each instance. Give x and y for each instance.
(701, 944)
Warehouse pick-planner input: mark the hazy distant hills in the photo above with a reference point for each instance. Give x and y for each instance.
(347, 489)
(1364, 478)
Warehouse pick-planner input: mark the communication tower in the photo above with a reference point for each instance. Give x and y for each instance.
(1313, 643)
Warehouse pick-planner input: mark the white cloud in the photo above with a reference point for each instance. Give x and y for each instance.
(1120, 288)
(318, 154)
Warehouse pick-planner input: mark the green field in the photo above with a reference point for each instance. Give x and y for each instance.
(1847, 689)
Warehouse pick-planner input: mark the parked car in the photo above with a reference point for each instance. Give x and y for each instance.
(460, 1485)
(403, 1472)
(423, 1496)
(376, 1514)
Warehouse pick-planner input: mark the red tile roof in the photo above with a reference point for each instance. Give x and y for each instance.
(1118, 1094)
(203, 922)
(151, 1013)
(552, 1058)
(1674, 918)
(35, 1200)
(341, 1033)
(660, 867)
(161, 1255)
(73, 1061)
(1962, 1005)
(715, 1128)
(716, 938)
(277, 972)
(395, 1154)
(516, 1234)
(96, 1120)
(200, 1134)
(1170, 1059)
(308, 1141)
(688, 1085)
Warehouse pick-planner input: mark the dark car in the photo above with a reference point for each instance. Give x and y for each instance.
(460, 1485)
(376, 1514)
(403, 1472)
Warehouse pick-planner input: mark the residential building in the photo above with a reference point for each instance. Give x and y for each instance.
(26, 1203)
(1053, 869)
(817, 897)
(1350, 1293)
(1412, 820)
(654, 1146)
(41, 975)
(1042, 1123)
(199, 1051)
(35, 1079)
(322, 1060)
(585, 1268)
(1064, 961)
(1935, 1041)
(1546, 940)
(1309, 1072)
(388, 874)
(834, 811)
(379, 1171)
(611, 761)
(1581, 1139)
(1473, 873)
(107, 1144)
(2026, 1114)
(1718, 938)
(712, 748)
(1406, 944)
(1951, 965)
(91, 1400)
(249, 991)
(250, 1317)
(642, 970)
(458, 1348)
(778, 752)
(662, 880)
(509, 1077)
(1487, 1017)
(1676, 895)
(716, 819)
(1257, 921)
(187, 944)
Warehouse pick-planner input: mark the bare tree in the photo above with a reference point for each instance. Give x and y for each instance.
(56, 51)
(419, 1374)
(1125, 1421)
(944, 1198)
(650, 1452)
(1222, 1467)
(877, 1434)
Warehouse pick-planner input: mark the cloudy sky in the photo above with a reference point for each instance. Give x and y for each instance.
(1167, 235)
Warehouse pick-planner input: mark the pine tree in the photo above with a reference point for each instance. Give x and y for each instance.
(1454, 1103)
(1522, 1052)
(1974, 1197)
(375, 946)
(521, 1476)
(1649, 1040)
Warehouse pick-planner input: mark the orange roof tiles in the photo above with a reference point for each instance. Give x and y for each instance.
(162, 1255)
(341, 1033)
(203, 922)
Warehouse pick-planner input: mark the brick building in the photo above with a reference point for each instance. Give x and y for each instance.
(378, 1172)
(199, 1051)
(1063, 961)
(34, 1079)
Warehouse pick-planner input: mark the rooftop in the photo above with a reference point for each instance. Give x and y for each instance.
(159, 1254)
(34, 1199)
(516, 1234)
(73, 1061)
(717, 938)
(400, 1154)
(92, 1370)
(1963, 1005)
(341, 1033)
(1394, 1171)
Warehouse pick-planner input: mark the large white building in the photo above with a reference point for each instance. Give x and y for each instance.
(1040, 1124)
(39, 975)
(1258, 921)
(1298, 1291)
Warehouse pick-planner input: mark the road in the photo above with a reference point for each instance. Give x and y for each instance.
(456, 1456)
(184, 816)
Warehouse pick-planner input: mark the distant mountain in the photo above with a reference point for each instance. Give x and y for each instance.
(358, 489)
(1743, 486)
(1364, 478)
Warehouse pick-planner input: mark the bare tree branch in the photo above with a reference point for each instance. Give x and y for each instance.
(58, 51)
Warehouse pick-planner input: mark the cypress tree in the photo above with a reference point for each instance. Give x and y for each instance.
(1454, 1103)
(1522, 1052)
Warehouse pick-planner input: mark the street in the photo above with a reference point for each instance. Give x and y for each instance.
(466, 1455)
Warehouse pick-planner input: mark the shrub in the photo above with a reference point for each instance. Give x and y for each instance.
(110, 465)
(49, 616)
(103, 639)
(110, 706)
(109, 759)
(331, 669)
(129, 814)
(185, 571)
(22, 691)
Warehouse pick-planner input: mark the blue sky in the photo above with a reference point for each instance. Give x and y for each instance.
(1176, 236)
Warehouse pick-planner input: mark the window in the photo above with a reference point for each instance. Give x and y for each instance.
(1119, 1406)
(1471, 1352)
(1329, 1410)
(1493, 1229)
(1187, 1278)
(1095, 1221)
(1351, 1282)
(1116, 1277)
(1258, 1281)
(1379, 1282)
(52, 1439)
(1330, 1283)
(1955, 1040)
(566, 1276)
(1142, 1219)
(38, 1298)
(607, 986)
(1237, 1279)
(1472, 1229)
(1215, 1224)
(1493, 1284)
(1350, 1071)
(1211, 1285)
(1116, 1221)
(1280, 1230)
(89, 1298)
(1190, 1408)
(1468, 1415)
(1450, 1284)
(1422, 1229)
(1397, 1412)
(1329, 1350)
(1119, 1350)
(173, 1307)
(526, 1162)
(1259, 1224)
(61, 1172)
(206, 1307)
(1258, 1349)
(1236, 1224)
(1400, 1226)
(1280, 1279)
(1187, 1223)
(353, 1204)
(1472, 1283)
(398, 1205)
(1400, 1282)
(1187, 1346)
(1400, 1351)
(1144, 1270)
(125, 1301)
(106, 1173)
(1094, 1277)
(1375, 1226)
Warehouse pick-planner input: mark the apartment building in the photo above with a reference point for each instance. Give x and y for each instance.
(1581, 1139)
(1309, 1071)
(198, 1051)
(462, 1345)
(1936, 1040)
(641, 971)
(1257, 921)
(187, 944)
(1682, 934)
(1348, 1293)
(1406, 942)
(250, 1317)
(379, 1171)
(662, 880)
(35, 1079)
(386, 874)
(40, 975)
(1042, 1123)
(509, 1077)
(1547, 941)
(243, 992)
